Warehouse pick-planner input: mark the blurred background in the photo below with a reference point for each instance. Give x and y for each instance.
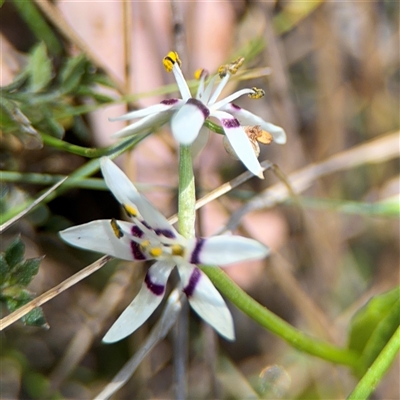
(331, 76)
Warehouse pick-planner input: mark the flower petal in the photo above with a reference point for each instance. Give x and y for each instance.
(127, 194)
(205, 95)
(143, 305)
(206, 300)
(231, 97)
(247, 118)
(227, 249)
(240, 142)
(186, 123)
(99, 236)
(200, 142)
(219, 89)
(144, 112)
(181, 82)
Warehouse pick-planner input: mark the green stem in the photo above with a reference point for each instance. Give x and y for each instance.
(237, 296)
(38, 25)
(49, 179)
(86, 170)
(276, 325)
(378, 369)
(187, 195)
(88, 151)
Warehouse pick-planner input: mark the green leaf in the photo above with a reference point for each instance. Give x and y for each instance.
(14, 254)
(25, 272)
(35, 317)
(71, 73)
(374, 324)
(4, 269)
(40, 68)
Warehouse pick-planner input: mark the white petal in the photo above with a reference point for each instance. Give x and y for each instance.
(227, 249)
(181, 82)
(200, 142)
(206, 300)
(144, 112)
(200, 89)
(205, 96)
(126, 193)
(143, 305)
(230, 98)
(99, 236)
(219, 89)
(152, 121)
(247, 118)
(186, 123)
(240, 142)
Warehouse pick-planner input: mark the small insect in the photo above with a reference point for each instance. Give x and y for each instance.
(256, 135)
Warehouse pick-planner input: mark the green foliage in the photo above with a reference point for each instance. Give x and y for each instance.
(40, 69)
(373, 326)
(41, 97)
(15, 274)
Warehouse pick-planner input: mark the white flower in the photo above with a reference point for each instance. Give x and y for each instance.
(152, 237)
(188, 114)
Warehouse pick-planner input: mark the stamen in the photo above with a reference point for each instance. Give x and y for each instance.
(223, 70)
(177, 250)
(170, 59)
(155, 251)
(200, 73)
(235, 65)
(116, 229)
(144, 244)
(258, 93)
(131, 211)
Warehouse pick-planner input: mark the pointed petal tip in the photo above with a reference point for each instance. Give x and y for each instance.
(261, 174)
(229, 335)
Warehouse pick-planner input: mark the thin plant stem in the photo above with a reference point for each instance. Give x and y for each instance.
(377, 370)
(276, 325)
(186, 222)
(86, 151)
(87, 169)
(48, 179)
(187, 197)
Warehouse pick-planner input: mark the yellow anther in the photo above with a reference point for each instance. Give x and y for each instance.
(144, 244)
(235, 65)
(223, 70)
(177, 250)
(170, 59)
(116, 229)
(258, 93)
(232, 68)
(131, 211)
(198, 74)
(155, 251)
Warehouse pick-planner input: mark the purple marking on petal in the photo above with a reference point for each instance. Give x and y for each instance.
(236, 106)
(136, 252)
(158, 290)
(193, 281)
(200, 106)
(135, 231)
(165, 232)
(230, 123)
(146, 225)
(169, 102)
(194, 259)
(135, 247)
